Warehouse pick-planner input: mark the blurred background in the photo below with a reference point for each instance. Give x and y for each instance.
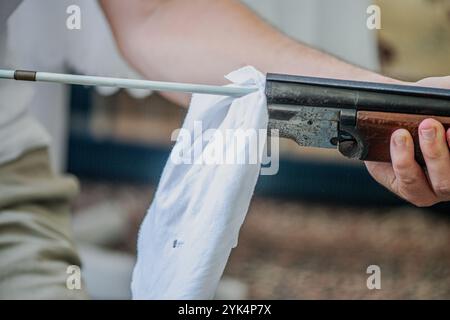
(313, 229)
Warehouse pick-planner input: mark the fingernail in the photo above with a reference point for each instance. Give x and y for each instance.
(428, 134)
(399, 140)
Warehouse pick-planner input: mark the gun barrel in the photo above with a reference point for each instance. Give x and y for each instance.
(362, 96)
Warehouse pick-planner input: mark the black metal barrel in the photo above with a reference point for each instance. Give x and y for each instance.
(368, 96)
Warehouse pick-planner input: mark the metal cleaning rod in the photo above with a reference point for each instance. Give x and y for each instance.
(232, 91)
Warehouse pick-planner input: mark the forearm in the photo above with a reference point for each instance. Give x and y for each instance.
(201, 40)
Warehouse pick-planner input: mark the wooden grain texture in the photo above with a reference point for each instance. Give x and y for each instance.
(376, 128)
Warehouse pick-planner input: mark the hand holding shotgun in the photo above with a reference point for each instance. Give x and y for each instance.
(422, 187)
(405, 125)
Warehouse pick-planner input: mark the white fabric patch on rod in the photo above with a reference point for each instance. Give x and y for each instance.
(196, 214)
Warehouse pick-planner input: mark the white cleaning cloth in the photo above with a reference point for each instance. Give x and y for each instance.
(193, 223)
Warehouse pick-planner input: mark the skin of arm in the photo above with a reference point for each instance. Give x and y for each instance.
(201, 40)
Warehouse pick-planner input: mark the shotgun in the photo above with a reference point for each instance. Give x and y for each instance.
(358, 118)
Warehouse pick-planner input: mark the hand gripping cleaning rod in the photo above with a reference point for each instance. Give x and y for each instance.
(231, 90)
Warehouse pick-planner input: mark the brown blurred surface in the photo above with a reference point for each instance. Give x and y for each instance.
(294, 250)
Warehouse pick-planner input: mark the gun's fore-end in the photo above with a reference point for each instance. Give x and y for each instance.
(357, 118)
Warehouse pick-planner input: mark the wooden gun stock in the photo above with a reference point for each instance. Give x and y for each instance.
(375, 130)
